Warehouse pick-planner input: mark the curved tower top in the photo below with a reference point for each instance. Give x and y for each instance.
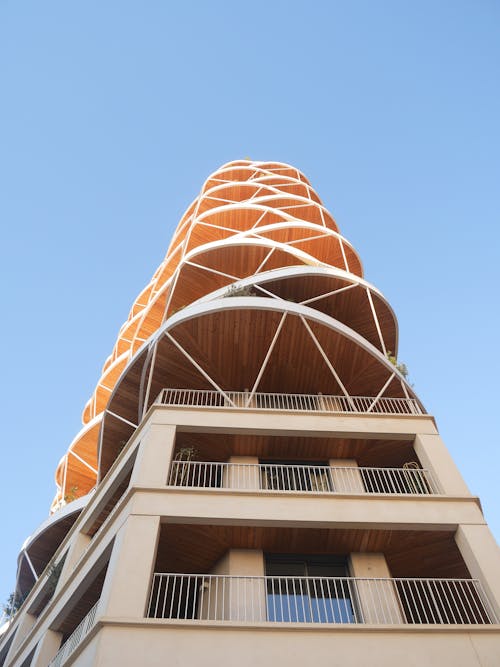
(258, 290)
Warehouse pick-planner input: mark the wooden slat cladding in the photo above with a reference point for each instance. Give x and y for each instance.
(250, 218)
(368, 453)
(231, 346)
(408, 553)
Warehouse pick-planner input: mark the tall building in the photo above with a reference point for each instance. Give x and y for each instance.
(255, 479)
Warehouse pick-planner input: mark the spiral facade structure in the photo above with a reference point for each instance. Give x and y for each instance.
(259, 466)
(259, 234)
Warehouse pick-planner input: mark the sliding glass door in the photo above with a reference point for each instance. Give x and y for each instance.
(308, 589)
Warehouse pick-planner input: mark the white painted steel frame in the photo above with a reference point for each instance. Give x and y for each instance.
(300, 478)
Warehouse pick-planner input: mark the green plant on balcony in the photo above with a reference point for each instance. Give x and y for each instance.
(53, 576)
(12, 605)
(402, 368)
(71, 495)
(180, 469)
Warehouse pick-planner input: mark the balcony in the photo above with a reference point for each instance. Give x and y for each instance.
(311, 600)
(76, 638)
(301, 478)
(295, 402)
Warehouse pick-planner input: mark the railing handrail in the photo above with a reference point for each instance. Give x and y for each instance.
(301, 477)
(329, 403)
(76, 637)
(312, 577)
(319, 599)
(318, 466)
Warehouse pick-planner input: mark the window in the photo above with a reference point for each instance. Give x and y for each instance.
(308, 589)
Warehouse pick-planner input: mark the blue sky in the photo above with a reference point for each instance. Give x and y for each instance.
(113, 113)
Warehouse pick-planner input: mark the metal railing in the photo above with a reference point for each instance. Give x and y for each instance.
(296, 402)
(75, 639)
(336, 600)
(302, 478)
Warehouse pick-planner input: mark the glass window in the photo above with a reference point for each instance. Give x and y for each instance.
(308, 589)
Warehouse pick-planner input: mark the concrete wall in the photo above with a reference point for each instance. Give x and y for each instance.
(129, 638)
(243, 599)
(243, 473)
(161, 644)
(346, 481)
(377, 600)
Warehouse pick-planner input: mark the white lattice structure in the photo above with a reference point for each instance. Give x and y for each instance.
(259, 228)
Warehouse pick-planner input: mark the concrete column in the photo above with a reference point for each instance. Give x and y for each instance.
(47, 648)
(482, 557)
(378, 599)
(130, 570)
(346, 481)
(241, 599)
(434, 456)
(78, 545)
(244, 473)
(24, 625)
(154, 456)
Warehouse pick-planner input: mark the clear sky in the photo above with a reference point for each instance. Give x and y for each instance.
(112, 114)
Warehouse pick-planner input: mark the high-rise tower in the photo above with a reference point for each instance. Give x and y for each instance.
(255, 478)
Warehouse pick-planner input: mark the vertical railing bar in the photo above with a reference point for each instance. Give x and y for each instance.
(427, 591)
(466, 604)
(456, 597)
(174, 586)
(387, 606)
(250, 583)
(436, 599)
(327, 583)
(417, 583)
(444, 597)
(181, 586)
(372, 587)
(166, 595)
(390, 482)
(294, 597)
(188, 586)
(414, 609)
(398, 473)
(273, 582)
(281, 469)
(216, 580)
(150, 606)
(196, 591)
(450, 596)
(158, 596)
(235, 583)
(201, 610)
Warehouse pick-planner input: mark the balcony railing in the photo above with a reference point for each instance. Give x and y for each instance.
(338, 600)
(295, 402)
(301, 478)
(76, 638)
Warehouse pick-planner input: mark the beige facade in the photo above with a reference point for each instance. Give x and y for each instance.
(315, 517)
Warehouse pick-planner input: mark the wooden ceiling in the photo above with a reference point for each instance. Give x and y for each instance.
(196, 549)
(231, 346)
(237, 206)
(368, 453)
(42, 548)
